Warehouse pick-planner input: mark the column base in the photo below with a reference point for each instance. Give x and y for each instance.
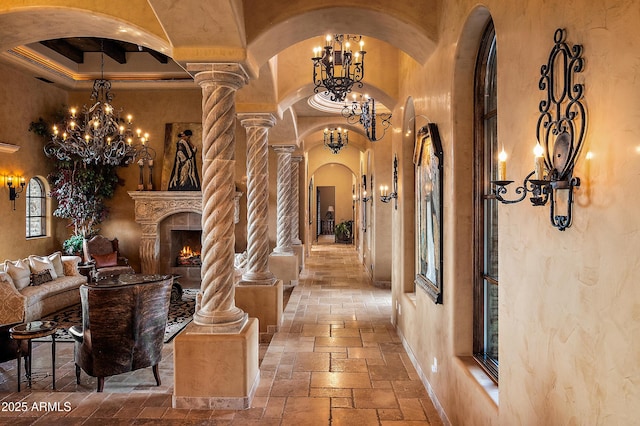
(263, 302)
(298, 250)
(215, 371)
(285, 267)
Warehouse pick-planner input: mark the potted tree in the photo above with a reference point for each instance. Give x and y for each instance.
(344, 232)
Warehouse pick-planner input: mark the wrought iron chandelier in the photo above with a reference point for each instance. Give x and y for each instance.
(98, 134)
(364, 112)
(336, 67)
(336, 139)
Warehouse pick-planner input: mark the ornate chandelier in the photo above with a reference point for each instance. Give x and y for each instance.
(364, 112)
(98, 134)
(336, 68)
(336, 139)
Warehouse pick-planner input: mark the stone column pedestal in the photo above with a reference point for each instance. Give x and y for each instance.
(215, 371)
(216, 356)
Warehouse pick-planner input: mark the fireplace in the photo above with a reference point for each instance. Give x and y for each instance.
(179, 234)
(186, 247)
(161, 212)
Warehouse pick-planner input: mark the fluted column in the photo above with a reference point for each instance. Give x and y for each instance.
(215, 304)
(295, 199)
(283, 231)
(257, 267)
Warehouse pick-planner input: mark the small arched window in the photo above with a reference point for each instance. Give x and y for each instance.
(36, 209)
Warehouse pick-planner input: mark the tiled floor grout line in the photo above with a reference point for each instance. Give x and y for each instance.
(335, 360)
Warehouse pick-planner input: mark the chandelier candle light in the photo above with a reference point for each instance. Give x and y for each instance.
(336, 68)
(336, 139)
(364, 112)
(98, 134)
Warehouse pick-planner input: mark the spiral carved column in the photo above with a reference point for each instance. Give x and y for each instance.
(257, 268)
(215, 304)
(295, 200)
(283, 200)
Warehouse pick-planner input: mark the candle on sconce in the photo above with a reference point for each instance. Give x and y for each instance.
(382, 191)
(150, 163)
(538, 151)
(502, 165)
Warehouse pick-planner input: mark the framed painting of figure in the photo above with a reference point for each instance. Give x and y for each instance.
(182, 165)
(428, 161)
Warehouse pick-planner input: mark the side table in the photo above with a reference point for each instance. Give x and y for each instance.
(34, 330)
(88, 270)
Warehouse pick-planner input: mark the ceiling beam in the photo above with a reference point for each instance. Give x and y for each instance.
(163, 59)
(65, 49)
(114, 51)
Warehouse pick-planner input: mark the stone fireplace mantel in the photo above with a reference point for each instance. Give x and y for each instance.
(151, 207)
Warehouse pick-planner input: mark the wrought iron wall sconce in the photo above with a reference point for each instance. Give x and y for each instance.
(365, 200)
(384, 196)
(13, 190)
(364, 112)
(560, 134)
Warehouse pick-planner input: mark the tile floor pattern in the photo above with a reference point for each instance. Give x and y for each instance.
(336, 360)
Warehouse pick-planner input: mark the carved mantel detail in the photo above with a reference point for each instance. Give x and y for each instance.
(151, 207)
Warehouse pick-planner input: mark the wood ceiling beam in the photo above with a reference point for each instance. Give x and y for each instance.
(65, 49)
(115, 51)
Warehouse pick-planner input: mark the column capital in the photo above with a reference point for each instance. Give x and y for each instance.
(297, 158)
(231, 74)
(283, 149)
(257, 119)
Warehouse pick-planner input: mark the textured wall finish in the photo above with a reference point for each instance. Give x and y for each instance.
(257, 268)
(215, 303)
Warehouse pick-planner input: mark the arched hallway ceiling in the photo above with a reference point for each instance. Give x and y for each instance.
(273, 40)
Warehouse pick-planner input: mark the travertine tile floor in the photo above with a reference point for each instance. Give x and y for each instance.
(337, 360)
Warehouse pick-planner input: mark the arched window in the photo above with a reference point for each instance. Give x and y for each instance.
(485, 333)
(36, 209)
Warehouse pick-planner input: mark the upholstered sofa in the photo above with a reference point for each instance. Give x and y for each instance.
(36, 286)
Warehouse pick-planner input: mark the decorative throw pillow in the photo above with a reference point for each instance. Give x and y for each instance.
(4, 277)
(19, 272)
(104, 260)
(41, 263)
(56, 261)
(41, 277)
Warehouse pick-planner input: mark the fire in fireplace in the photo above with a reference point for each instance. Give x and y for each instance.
(188, 257)
(187, 245)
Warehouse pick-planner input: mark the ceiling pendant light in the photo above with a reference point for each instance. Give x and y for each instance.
(336, 67)
(98, 134)
(336, 139)
(364, 112)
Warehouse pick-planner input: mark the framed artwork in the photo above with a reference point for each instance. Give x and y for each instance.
(428, 160)
(182, 162)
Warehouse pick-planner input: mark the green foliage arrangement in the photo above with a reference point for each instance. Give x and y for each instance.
(343, 231)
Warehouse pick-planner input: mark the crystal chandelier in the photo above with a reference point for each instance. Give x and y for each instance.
(336, 139)
(364, 112)
(97, 134)
(336, 68)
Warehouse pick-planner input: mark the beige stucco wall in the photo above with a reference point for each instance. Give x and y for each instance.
(24, 99)
(568, 300)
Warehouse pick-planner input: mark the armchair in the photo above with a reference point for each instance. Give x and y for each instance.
(123, 325)
(105, 255)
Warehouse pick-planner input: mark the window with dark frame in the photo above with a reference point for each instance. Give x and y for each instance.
(36, 223)
(485, 315)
